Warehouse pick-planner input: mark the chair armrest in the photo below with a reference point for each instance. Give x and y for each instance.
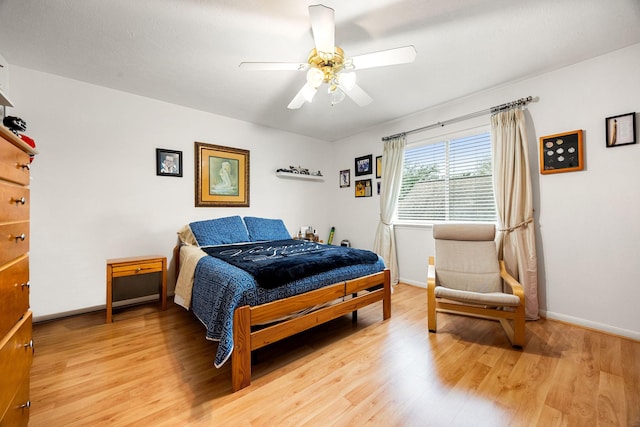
(516, 287)
(431, 274)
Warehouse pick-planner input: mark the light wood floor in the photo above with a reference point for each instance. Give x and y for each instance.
(155, 368)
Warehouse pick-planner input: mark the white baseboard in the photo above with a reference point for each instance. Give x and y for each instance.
(626, 333)
(414, 283)
(116, 304)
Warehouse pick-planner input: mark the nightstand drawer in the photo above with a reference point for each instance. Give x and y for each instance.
(131, 269)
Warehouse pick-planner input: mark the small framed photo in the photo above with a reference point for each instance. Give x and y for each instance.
(345, 178)
(363, 165)
(363, 188)
(168, 162)
(379, 167)
(378, 188)
(561, 152)
(621, 130)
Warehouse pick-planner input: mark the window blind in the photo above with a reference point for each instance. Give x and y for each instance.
(450, 180)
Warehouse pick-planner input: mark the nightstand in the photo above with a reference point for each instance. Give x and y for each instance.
(123, 267)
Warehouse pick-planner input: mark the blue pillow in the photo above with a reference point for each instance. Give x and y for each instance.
(261, 229)
(220, 231)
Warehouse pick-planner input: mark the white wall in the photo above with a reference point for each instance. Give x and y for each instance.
(95, 193)
(588, 233)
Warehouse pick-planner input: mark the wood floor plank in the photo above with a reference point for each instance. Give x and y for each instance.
(154, 368)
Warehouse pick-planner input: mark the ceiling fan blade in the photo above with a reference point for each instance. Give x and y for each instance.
(400, 55)
(323, 26)
(358, 95)
(305, 94)
(274, 66)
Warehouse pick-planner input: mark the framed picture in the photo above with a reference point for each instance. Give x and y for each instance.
(379, 167)
(222, 176)
(168, 162)
(378, 188)
(561, 152)
(363, 165)
(621, 130)
(363, 188)
(345, 178)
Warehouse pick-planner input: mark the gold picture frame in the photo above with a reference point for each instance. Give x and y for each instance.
(562, 152)
(222, 176)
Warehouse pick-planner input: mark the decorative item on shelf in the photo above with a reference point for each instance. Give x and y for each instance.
(29, 142)
(308, 233)
(299, 172)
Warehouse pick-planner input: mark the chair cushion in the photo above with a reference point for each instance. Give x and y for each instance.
(468, 266)
(464, 232)
(484, 299)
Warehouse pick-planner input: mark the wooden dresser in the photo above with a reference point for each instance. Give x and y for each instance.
(16, 344)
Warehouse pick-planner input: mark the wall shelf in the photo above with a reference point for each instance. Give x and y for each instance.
(290, 175)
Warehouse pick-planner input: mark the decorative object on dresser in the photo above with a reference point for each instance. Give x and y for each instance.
(222, 176)
(16, 344)
(124, 267)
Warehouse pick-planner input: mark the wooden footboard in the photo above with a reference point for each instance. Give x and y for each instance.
(245, 341)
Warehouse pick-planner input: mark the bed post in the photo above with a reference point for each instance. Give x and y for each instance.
(241, 355)
(386, 302)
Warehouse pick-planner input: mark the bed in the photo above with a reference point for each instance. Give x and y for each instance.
(284, 290)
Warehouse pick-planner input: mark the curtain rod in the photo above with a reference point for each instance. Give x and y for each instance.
(497, 108)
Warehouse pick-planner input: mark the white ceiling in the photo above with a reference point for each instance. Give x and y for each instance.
(187, 51)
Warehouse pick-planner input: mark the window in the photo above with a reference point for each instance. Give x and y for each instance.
(448, 180)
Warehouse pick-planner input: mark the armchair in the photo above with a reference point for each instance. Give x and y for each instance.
(467, 278)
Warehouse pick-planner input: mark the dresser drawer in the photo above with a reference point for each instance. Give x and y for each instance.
(16, 355)
(14, 240)
(14, 292)
(14, 163)
(14, 202)
(17, 414)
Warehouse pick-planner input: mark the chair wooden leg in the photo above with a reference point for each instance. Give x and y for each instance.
(432, 320)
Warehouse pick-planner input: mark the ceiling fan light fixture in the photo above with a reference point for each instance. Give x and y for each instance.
(337, 95)
(315, 77)
(347, 80)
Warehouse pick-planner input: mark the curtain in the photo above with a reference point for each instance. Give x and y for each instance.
(512, 186)
(392, 164)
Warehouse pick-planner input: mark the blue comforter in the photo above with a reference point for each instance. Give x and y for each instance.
(219, 288)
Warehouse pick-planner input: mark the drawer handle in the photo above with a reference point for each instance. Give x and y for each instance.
(20, 237)
(29, 344)
(28, 285)
(26, 405)
(20, 201)
(26, 166)
(138, 270)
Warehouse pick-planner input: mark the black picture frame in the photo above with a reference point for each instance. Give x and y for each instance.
(363, 165)
(168, 162)
(345, 178)
(363, 188)
(379, 167)
(620, 130)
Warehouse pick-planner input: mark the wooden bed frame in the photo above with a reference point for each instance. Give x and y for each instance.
(245, 317)
(245, 341)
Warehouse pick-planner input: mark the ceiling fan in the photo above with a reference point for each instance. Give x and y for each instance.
(327, 63)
